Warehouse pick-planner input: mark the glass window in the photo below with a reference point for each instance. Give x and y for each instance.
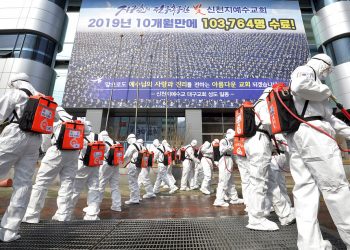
(60, 83)
(61, 3)
(211, 119)
(29, 46)
(5, 53)
(229, 119)
(212, 128)
(38, 48)
(30, 41)
(42, 44)
(227, 126)
(211, 137)
(148, 128)
(319, 4)
(339, 50)
(19, 42)
(7, 42)
(16, 53)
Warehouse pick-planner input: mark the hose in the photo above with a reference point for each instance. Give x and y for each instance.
(286, 171)
(309, 124)
(341, 107)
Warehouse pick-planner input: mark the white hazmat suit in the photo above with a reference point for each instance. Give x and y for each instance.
(169, 169)
(258, 150)
(279, 165)
(159, 151)
(315, 159)
(243, 168)
(188, 166)
(133, 172)
(198, 173)
(109, 175)
(144, 178)
(20, 150)
(207, 165)
(63, 163)
(226, 185)
(87, 176)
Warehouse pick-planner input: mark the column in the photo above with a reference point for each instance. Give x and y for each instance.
(193, 125)
(331, 27)
(95, 116)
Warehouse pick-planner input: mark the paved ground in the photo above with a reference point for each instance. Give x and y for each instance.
(196, 233)
(182, 204)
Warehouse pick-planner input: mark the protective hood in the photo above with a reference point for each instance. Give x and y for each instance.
(206, 145)
(216, 141)
(322, 65)
(229, 137)
(21, 81)
(131, 139)
(230, 131)
(265, 94)
(61, 114)
(104, 134)
(87, 128)
(140, 141)
(156, 143)
(194, 143)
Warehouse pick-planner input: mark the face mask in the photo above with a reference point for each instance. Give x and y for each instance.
(325, 73)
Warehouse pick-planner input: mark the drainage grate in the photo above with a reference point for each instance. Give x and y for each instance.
(199, 233)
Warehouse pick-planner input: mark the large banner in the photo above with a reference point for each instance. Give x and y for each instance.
(188, 54)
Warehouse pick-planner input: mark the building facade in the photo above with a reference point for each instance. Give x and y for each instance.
(37, 37)
(32, 32)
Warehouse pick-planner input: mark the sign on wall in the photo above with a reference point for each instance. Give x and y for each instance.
(188, 54)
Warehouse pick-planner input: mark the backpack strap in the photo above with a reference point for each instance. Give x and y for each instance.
(95, 137)
(313, 71)
(29, 94)
(108, 143)
(185, 153)
(304, 109)
(162, 153)
(137, 148)
(160, 150)
(15, 115)
(227, 141)
(85, 138)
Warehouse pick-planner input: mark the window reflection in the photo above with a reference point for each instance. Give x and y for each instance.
(339, 50)
(29, 46)
(60, 3)
(148, 128)
(319, 4)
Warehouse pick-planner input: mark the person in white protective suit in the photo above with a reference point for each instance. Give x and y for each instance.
(198, 173)
(130, 159)
(87, 176)
(109, 175)
(170, 175)
(188, 166)
(315, 159)
(243, 168)
(55, 162)
(144, 178)
(18, 149)
(159, 151)
(258, 151)
(226, 185)
(279, 165)
(207, 164)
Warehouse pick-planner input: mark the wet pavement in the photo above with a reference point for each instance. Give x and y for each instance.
(182, 204)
